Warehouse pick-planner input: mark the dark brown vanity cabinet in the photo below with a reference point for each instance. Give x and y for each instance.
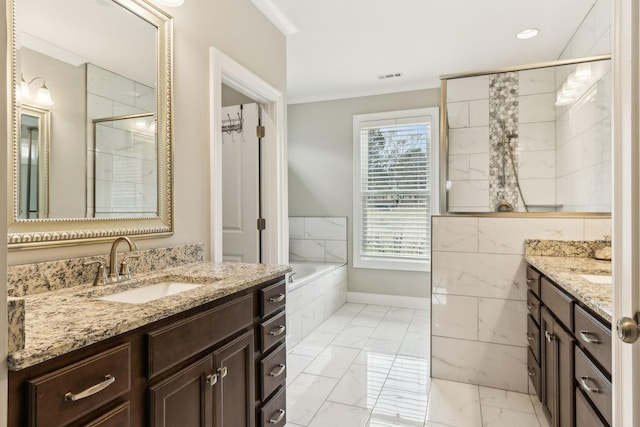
(569, 360)
(203, 367)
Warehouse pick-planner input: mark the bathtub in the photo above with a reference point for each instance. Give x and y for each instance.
(314, 292)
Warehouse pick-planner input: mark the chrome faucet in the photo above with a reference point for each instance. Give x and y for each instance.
(124, 273)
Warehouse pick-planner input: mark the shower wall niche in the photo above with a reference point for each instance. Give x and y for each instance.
(536, 139)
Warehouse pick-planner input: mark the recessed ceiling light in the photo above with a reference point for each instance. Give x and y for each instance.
(528, 33)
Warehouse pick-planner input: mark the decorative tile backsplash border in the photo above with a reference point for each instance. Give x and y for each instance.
(40, 277)
(318, 239)
(560, 248)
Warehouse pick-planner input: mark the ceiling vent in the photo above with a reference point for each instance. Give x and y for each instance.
(390, 76)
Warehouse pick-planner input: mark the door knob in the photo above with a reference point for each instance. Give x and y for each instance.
(628, 329)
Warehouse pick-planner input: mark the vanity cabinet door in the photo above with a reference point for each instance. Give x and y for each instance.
(557, 349)
(184, 399)
(233, 396)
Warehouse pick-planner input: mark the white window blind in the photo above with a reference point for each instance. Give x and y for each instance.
(393, 185)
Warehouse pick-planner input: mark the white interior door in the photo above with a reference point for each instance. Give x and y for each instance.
(626, 211)
(240, 209)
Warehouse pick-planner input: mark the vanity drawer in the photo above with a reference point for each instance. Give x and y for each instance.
(272, 298)
(533, 281)
(272, 332)
(586, 416)
(594, 384)
(559, 303)
(594, 336)
(273, 371)
(172, 344)
(533, 370)
(92, 382)
(533, 337)
(273, 413)
(117, 417)
(533, 306)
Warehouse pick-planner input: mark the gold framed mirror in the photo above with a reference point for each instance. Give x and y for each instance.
(96, 77)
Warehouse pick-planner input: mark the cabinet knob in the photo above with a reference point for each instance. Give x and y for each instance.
(223, 372)
(212, 379)
(549, 336)
(530, 336)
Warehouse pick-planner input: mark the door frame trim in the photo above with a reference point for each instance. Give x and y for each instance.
(223, 69)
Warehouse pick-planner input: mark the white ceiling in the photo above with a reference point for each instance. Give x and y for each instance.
(342, 46)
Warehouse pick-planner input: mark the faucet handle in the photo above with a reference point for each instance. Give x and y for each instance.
(124, 266)
(101, 276)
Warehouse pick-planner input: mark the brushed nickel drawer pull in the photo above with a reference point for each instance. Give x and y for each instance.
(530, 280)
(531, 372)
(586, 387)
(549, 336)
(530, 336)
(279, 298)
(587, 337)
(279, 418)
(212, 379)
(530, 306)
(278, 331)
(108, 380)
(278, 372)
(223, 371)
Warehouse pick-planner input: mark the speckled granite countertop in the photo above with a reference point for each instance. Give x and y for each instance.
(565, 271)
(64, 320)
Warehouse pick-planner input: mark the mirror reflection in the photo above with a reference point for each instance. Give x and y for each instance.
(530, 140)
(34, 163)
(96, 65)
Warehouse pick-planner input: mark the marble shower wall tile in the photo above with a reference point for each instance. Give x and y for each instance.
(318, 239)
(479, 293)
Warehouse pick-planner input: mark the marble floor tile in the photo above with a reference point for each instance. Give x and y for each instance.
(333, 362)
(336, 414)
(382, 346)
(305, 395)
(505, 399)
(360, 386)
(353, 336)
(386, 382)
(502, 417)
(392, 330)
(403, 407)
(314, 343)
(296, 364)
(417, 345)
(422, 314)
(455, 404)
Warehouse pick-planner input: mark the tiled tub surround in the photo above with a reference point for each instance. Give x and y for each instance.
(318, 239)
(313, 299)
(61, 321)
(479, 294)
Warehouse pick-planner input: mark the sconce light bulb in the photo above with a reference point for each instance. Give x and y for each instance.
(44, 96)
(24, 88)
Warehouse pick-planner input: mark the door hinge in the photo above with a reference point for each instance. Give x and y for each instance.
(262, 224)
(260, 131)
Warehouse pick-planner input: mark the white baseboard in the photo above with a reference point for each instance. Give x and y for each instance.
(392, 300)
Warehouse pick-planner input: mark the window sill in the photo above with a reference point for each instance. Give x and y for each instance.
(392, 264)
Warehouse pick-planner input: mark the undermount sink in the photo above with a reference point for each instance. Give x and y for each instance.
(593, 278)
(150, 292)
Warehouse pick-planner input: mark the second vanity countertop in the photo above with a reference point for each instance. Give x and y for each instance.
(566, 271)
(61, 321)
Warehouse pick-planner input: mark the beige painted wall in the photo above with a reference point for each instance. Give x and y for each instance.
(320, 144)
(198, 25)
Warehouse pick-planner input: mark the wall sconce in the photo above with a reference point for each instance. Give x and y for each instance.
(43, 96)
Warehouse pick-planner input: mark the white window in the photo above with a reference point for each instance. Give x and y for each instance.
(394, 195)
